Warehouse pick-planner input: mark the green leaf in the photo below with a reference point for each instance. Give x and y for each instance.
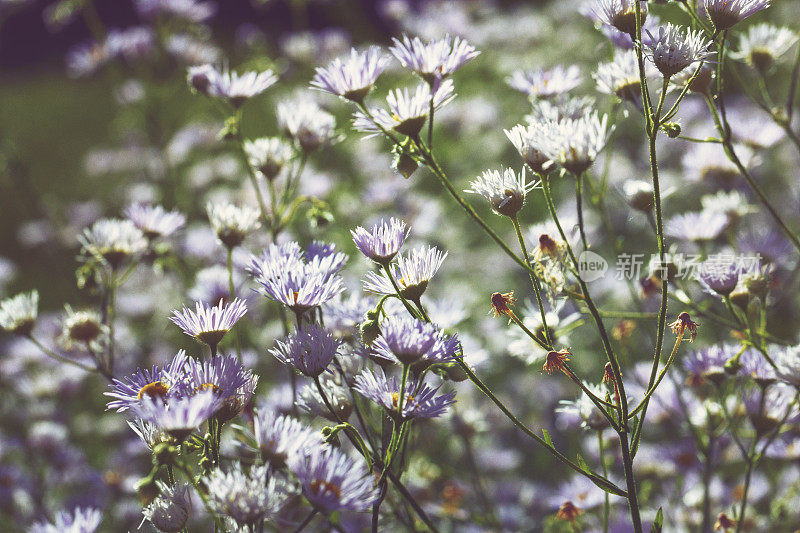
(583, 465)
(547, 438)
(658, 523)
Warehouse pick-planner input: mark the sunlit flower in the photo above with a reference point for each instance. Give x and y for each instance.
(247, 497)
(696, 227)
(726, 13)
(155, 221)
(675, 49)
(408, 340)
(351, 78)
(763, 44)
(546, 83)
(310, 350)
(18, 314)
(420, 400)
(78, 521)
(411, 273)
(307, 124)
(280, 437)
(383, 241)
(574, 144)
(620, 77)
(504, 189)
(435, 60)
(525, 139)
(155, 383)
(232, 223)
(238, 88)
(268, 155)
(179, 416)
(620, 13)
(113, 241)
(209, 324)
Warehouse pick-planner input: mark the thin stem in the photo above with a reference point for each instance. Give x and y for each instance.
(537, 290)
(411, 501)
(307, 521)
(579, 206)
(607, 499)
(746, 489)
(60, 358)
(407, 305)
(652, 388)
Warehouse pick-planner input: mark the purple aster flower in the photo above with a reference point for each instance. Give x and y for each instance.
(708, 363)
(153, 383)
(333, 481)
(310, 350)
(210, 324)
(696, 227)
(623, 40)
(435, 60)
(343, 315)
(408, 340)
(726, 13)
(78, 521)
(154, 221)
(280, 437)
(768, 407)
(756, 367)
(178, 416)
(211, 284)
(223, 375)
(247, 498)
(769, 244)
(420, 401)
(411, 273)
(353, 77)
(323, 258)
(719, 274)
(383, 242)
(546, 83)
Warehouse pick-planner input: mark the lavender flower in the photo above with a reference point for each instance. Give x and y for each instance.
(232, 223)
(179, 416)
(307, 124)
(209, 324)
(268, 155)
(724, 14)
(674, 49)
(246, 497)
(756, 367)
(719, 274)
(420, 400)
(222, 375)
(169, 512)
(281, 437)
(768, 407)
(696, 227)
(113, 241)
(337, 395)
(504, 189)
(78, 521)
(383, 242)
(435, 60)
(238, 88)
(411, 273)
(154, 383)
(333, 481)
(407, 111)
(408, 340)
(546, 83)
(18, 314)
(155, 221)
(310, 350)
(708, 363)
(353, 77)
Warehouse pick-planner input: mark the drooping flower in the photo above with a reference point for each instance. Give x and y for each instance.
(383, 241)
(502, 302)
(724, 14)
(763, 44)
(407, 110)
(310, 350)
(569, 512)
(684, 323)
(246, 497)
(280, 437)
(546, 83)
(352, 77)
(675, 49)
(504, 189)
(155, 383)
(411, 273)
(78, 521)
(18, 313)
(435, 60)
(421, 400)
(268, 155)
(113, 241)
(209, 324)
(169, 512)
(155, 221)
(232, 223)
(555, 361)
(306, 124)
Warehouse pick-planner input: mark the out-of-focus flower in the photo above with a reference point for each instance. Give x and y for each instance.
(435, 60)
(353, 77)
(620, 77)
(84, 326)
(280, 437)
(620, 14)
(696, 227)
(238, 88)
(310, 350)
(209, 324)
(583, 410)
(232, 223)
(546, 83)
(246, 497)
(724, 14)
(337, 395)
(420, 400)
(675, 49)
(169, 512)
(268, 155)
(190, 10)
(504, 189)
(179, 415)
(307, 124)
(78, 521)
(763, 44)
(574, 143)
(411, 273)
(113, 241)
(767, 407)
(787, 361)
(155, 221)
(18, 314)
(383, 241)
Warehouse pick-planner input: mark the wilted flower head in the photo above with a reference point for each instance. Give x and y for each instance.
(383, 241)
(310, 350)
(169, 512)
(18, 314)
(569, 512)
(546, 83)
(620, 13)
(502, 303)
(677, 48)
(763, 44)
(407, 111)
(305, 123)
(352, 77)
(209, 324)
(420, 400)
(726, 13)
(575, 143)
(684, 323)
(155, 221)
(112, 240)
(245, 497)
(435, 60)
(232, 223)
(411, 273)
(268, 155)
(78, 521)
(555, 361)
(280, 437)
(504, 189)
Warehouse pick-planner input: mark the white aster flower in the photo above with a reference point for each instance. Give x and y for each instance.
(504, 189)
(620, 14)
(268, 155)
(18, 314)
(620, 77)
(435, 60)
(675, 49)
(575, 143)
(546, 83)
(352, 77)
(306, 123)
(724, 14)
(232, 223)
(113, 240)
(763, 44)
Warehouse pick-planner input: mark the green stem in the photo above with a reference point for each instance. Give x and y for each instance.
(407, 305)
(606, 500)
(579, 207)
(537, 290)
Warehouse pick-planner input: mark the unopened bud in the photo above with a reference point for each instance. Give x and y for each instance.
(672, 129)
